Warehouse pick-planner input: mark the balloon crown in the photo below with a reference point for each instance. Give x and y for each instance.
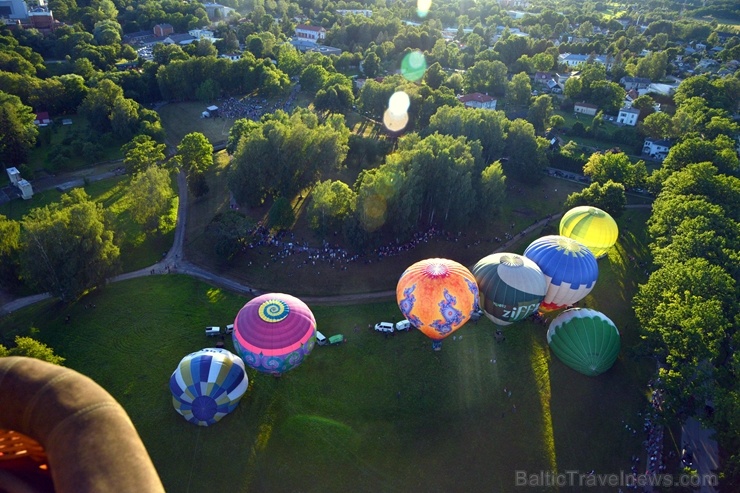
(274, 311)
(569, 245)
(436, 270)
(512, 260)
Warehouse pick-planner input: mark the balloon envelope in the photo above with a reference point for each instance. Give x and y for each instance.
(570, 269)
(207, 385)
(511, 287)
(437, 296)
(584, 339)
(592, 227)
(274, 332)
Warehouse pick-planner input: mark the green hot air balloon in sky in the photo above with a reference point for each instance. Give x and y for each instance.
(584, 339)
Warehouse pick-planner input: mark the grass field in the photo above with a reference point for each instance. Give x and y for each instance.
(180, 119)
(375, 414)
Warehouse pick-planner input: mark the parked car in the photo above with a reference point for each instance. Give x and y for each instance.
(336, 339)
(320, 339)
(213, 331)
(384, 327)
(403, 325)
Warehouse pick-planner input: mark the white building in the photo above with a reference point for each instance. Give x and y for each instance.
(365, 12)
(13, 9)
(574, 60)
(26, 189)
(585, 109)
(310, 33)
(14, 175)
(628, 116)
(478, 100)
(656, 148)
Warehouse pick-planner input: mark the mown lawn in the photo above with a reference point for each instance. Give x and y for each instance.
(180, 119)
(374, 414)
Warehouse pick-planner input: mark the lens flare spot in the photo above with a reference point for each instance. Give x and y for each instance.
(422, 7)
(399, 103)
(413, 66)
(393, 122)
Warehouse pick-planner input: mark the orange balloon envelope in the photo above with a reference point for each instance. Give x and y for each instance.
(437, 296)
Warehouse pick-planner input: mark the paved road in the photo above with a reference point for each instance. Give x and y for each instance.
(704, 450)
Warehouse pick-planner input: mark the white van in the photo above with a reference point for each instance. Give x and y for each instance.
(320, 339)
(213, 331)
(384, 327)
(403, 325)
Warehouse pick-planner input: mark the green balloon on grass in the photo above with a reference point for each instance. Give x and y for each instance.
(413, 65)
(584, 339)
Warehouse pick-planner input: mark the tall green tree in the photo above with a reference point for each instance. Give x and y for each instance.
(525, 152)
(68, 248)
(617, 167)
(608, 197)
(520, 90)
(150, 197)
(332, 201)
(141, 153)
(486, 77)
(17, 131)
(195, 156)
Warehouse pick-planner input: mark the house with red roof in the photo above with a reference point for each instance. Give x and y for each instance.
(310, 33)
(478, 100)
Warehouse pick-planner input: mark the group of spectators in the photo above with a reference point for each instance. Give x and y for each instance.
(336, 256)
(654, 430)
(253, 107)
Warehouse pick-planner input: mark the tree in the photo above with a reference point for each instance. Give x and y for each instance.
(289, 60)
(99, 104)
(31, 348)
(17, 131)
(281, 214)
(68, 248)
(720, 151)
(520, 89)
(371, 65)
(229, 231)
(492, 192)
(525, 152)
(435, 76)
(486, 77)
(609, 96)
(150, 195)
(195, 156)
(608, 197)
(124, 118)
(616, 167)
(657, 126)
(331, 203)
(10, 233)
(540, 112)
(140, 153)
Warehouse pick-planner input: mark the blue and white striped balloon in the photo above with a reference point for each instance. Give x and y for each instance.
(207, 385)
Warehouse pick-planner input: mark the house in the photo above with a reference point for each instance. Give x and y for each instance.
(310, 33)
(137, 37)
(13, 9)
(231, 56)
(14, 175)
(628, 116)
(364, 12)
(216, 10)
(201, 34)
(656, 148)
(585, 109)
(574, 60)
(638, 83)
(478, 100)
(179, 39)
(25, 188)
(42, 119)
(163, 30)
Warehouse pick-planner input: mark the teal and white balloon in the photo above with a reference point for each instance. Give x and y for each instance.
(511, 287)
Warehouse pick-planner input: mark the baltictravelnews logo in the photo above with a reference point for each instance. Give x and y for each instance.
(577, 478)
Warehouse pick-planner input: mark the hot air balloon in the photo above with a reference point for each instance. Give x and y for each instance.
(274, 332)
(592, 227)
(570, 269)
(437, 296)
(511, 287)
(584, 339)
(207, 385)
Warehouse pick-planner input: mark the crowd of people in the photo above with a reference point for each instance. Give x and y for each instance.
(253, 107)
(654, 430)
